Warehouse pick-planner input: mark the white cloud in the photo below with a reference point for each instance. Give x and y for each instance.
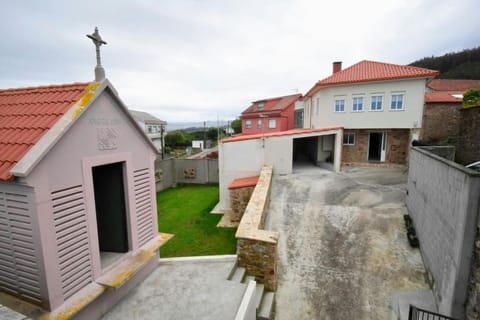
(192, 60)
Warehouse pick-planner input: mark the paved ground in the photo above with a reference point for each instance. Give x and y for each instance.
(343, 249)
(191, 288)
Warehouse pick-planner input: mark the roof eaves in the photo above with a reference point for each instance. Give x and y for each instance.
(50, 138)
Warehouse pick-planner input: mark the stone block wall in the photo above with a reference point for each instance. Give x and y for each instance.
(398, 141)
(260, 259)
(257, 248)
(468, 147)
(473, 303)
(440, 121)
(238, 202)
(443, 201)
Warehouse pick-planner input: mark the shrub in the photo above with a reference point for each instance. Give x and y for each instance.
(471, 98)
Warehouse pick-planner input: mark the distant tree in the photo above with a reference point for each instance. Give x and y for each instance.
(212, 133)
(175, 138)
(455, 65)
(237, 125)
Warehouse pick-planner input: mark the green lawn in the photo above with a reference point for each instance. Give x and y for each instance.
(185, 212)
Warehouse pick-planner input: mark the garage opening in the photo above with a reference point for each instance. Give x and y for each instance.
(316, 150)
(110, 207)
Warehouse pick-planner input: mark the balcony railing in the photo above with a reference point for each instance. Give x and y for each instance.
(420, 314)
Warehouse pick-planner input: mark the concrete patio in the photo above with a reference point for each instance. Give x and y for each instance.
(343, 248)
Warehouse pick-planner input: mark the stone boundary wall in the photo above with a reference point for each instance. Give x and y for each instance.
(443, 201)
(256, 247)
(468, 147)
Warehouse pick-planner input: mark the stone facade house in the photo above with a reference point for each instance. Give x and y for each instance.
(441, 113)
(380, 106)
(269, 115)
(78, 217)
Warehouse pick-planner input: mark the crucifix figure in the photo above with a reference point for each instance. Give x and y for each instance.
(97, 41)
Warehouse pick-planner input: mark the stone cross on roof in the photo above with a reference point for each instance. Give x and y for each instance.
(98, 41)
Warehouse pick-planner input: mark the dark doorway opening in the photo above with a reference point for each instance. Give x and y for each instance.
(375, 146)
(108, 185)
(305, 150)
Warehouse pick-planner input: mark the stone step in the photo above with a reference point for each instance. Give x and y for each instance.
(266, 307)
(247, 279)
(238, 275)
(259, 292)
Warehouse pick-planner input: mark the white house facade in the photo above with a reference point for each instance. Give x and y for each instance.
(379, 105)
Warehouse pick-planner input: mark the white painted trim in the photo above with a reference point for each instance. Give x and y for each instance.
(87, 165)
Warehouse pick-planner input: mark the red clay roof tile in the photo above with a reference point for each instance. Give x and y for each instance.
(243, 182)
(444, 96)
(453, 84)
(273, 104)
(26, 114)
(365, 71)
(242, 137)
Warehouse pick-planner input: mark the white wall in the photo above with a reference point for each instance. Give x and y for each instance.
(410, 117)
(245, 158)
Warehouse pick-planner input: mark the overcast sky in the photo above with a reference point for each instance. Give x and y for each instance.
(187, 60)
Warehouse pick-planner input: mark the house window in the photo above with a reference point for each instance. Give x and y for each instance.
(376, 103)
(357, 104)
(259, 123)
(260, 106)
(248, 124)
(298, 118)
(349, 138)
(149, 129)
(339, 105)
(396, 102)
(272, 123)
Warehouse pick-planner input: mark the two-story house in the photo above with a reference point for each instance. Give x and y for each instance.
(153, 127)
(269, 115)
(380, 106)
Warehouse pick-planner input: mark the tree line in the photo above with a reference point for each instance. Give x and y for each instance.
(455, 65)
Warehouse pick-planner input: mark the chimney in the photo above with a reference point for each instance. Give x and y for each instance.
(337, 66)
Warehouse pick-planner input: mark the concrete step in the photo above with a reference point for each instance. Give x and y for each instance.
(239, 274)
(247, 279)
(259, 292)
(266, 307)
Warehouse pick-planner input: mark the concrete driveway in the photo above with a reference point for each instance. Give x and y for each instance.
(343, 249)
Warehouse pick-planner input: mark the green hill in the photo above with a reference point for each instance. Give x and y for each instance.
(455, 65)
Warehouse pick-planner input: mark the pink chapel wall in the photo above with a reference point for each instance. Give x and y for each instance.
(103, 134)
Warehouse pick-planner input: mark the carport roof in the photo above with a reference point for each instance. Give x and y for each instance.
(241, 137)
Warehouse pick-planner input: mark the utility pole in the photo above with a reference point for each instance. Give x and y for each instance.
(204, 135)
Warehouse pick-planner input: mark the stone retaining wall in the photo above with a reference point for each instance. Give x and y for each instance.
(239, 199)
(257, 248)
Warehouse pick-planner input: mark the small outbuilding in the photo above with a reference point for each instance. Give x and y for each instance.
(78, 216)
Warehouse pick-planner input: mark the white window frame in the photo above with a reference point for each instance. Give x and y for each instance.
(398, 94)
(375, 95)
(248, 124)
(363, 103)
(349, 134)
(270, 121)
(259, 123)
(339, 98)
(260, 106)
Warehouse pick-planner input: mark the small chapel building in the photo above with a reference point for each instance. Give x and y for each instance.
(78, 215)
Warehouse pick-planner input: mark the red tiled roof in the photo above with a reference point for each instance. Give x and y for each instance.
(273, 104)
(243, 182)
(453, 84)
(26, 114)
(365, 71)
(241, 137)
(443, 96)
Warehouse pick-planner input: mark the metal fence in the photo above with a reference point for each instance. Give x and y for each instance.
(420, 314)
